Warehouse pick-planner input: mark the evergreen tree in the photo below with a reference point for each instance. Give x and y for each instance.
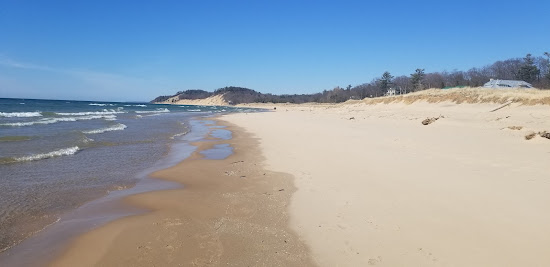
(386, 81)
(416, 79)
(547, 75)
(528, 72)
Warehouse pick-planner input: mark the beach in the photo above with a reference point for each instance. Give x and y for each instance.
(274, 133)
(352, 184)
(230, 212)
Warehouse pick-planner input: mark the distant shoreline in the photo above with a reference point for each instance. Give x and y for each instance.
(456, 95)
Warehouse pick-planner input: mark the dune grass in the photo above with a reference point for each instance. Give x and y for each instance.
(470, 96)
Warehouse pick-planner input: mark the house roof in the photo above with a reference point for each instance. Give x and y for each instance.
(507, 84)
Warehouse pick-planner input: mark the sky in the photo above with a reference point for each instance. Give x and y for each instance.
(136, 50)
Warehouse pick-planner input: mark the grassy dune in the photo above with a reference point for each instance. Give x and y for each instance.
(470, 96)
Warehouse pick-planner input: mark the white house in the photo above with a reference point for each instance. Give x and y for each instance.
(391, 92)
(507, 84)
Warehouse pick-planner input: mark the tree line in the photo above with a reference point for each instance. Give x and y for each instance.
(534, 70)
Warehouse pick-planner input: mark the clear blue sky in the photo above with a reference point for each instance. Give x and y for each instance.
(137, 50)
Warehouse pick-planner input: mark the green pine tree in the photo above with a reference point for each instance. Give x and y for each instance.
(386, 81)
(528, 72)
(416, 79)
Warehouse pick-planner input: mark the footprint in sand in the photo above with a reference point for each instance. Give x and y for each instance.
(374, 261)
(427, 254)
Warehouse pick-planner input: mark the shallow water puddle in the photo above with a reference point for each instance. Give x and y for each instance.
(221, 134)
(220, 151)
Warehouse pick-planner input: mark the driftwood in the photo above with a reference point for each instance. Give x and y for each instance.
(431, 120)
(515, 127)
(530, 135)
(544, 134)
(506, 104)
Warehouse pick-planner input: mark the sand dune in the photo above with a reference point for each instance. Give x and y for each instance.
(216, 100)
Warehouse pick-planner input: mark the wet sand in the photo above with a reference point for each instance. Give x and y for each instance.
(230, 212)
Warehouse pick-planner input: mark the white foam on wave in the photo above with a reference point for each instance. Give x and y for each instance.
(101, 104)
(62, 119)
(117, 127)
(20, 114)
(143, 106)
(104, 112)
(158, 110)
(178, 135)
(194, 110)
(57, 153)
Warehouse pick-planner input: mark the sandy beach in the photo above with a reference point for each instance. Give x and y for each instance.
(230, 212)
(353, 184)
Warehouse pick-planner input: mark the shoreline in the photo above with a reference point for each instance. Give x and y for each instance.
(226, 206)
(75, 152)
(44, 244)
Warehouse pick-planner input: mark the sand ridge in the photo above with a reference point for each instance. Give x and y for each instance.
(216, 100)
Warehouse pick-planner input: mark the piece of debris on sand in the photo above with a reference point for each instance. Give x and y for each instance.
(515, 127)
(530, 135)
(544, 134)
(431, 120)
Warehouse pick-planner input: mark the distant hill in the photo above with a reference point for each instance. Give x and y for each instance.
(238, 95)
(535, 70)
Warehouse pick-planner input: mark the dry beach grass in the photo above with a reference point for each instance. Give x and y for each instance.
(470, 96)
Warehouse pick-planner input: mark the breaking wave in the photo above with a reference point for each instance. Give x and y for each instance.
(178, 135)
(143, 106)
(20, 114)
(104, 112)
(117, 127)
(57, 153)
(63, 119)
(158, 110)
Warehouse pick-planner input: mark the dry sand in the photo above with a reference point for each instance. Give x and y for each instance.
(376, 187)
(230, 212)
